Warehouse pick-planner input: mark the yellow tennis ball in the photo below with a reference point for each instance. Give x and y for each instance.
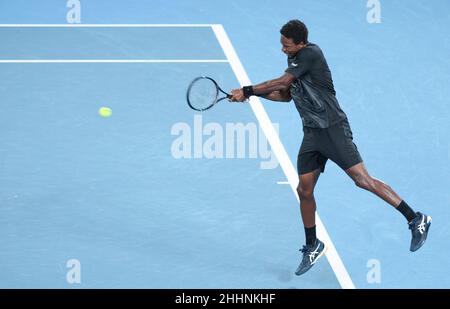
(105, 111)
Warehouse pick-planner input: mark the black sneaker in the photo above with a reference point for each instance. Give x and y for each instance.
(311, 253)
(419, 228)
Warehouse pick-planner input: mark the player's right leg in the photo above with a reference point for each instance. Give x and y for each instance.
(314, 248)
(305, 190)
(310, 163)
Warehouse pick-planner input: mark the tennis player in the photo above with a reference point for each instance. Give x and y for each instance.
(327, 135)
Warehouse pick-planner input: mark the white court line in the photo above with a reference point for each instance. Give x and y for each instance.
(277, 147)
(112, 61)
(104, 25)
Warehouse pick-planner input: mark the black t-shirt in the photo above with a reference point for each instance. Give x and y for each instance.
(313, 90)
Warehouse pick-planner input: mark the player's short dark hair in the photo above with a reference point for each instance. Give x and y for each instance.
(295, 30)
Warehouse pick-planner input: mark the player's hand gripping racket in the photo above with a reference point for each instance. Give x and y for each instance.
(203, 93)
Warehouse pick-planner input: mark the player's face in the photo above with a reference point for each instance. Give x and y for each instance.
(289, 47)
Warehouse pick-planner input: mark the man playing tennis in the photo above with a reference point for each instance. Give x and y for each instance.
(327, 135)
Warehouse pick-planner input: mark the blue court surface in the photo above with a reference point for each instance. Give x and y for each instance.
(159, 196)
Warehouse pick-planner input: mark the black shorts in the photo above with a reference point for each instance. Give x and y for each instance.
(334, 143)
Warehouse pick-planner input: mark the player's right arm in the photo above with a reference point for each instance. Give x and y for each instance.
(279, 96)
(281, 85)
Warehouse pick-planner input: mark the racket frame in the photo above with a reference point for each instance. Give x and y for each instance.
(216, 99)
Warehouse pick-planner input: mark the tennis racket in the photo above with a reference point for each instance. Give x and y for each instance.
(203, 93)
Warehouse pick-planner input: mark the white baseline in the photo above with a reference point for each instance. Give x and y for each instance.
(104, 25)
(111, 61)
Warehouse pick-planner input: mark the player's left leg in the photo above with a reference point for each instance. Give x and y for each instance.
(341, 149)
(418, 223)
(363, 180)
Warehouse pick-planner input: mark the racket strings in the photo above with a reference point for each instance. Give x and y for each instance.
(202, 93)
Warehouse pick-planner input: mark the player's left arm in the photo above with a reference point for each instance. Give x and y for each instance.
(282, 84)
